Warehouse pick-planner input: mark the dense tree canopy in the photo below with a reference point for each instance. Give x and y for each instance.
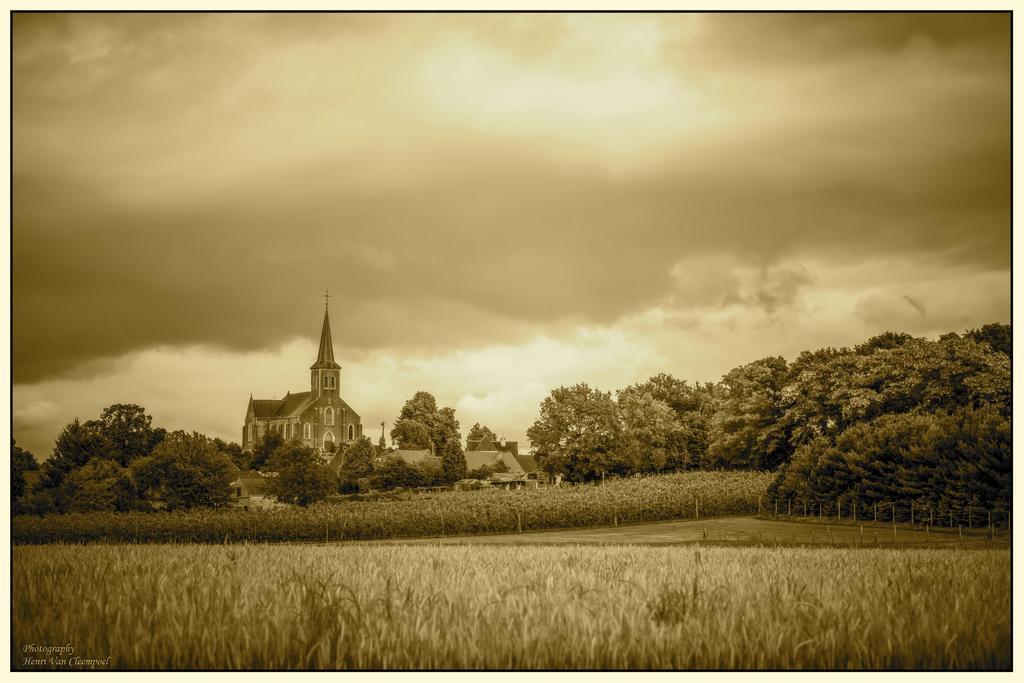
(301, 478)
(357, 464)
(421, 424)
(184, 471)
(579, 433)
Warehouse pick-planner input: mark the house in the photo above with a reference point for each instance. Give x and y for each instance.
(411, 457)
(491, 459)
(485, 443)
(249, 490)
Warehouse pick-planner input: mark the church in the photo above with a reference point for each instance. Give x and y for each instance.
(318, 418)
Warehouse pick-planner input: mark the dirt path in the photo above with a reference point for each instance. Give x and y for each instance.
(744, 530)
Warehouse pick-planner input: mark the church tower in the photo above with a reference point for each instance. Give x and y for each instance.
(325, 372)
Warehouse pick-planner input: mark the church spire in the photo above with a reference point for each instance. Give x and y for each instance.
(325, 358)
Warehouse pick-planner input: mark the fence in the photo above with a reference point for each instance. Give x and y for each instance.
(922, 514)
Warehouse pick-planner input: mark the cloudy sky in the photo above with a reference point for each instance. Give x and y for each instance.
(498, 204)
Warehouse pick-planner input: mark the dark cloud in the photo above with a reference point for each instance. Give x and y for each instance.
(202, 179)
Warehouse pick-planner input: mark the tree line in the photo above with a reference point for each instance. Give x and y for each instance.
(893, 418)
(121, 462)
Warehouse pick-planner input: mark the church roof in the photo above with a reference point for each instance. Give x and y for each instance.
(325, 358)
(266, 407)
(293, 405)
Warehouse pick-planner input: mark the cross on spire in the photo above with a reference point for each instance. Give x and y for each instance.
(327, 298)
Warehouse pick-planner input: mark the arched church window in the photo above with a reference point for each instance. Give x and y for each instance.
(350, 432)
(329, 416)
(305, 431)
(328, 440)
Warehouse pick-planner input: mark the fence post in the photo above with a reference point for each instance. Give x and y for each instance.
(777, 511)
(759, 505)
(696, 503)
(960, 531)
(991, 531)
(839, 510)
(862, 534)
(875, 506)
(854, 512)
(789, 507)
(911, 513)
(519, 522)
(970, 518)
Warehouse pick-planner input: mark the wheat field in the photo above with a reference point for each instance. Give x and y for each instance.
(500, 607)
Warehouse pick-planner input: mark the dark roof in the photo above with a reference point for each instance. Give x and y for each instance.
(527, 462)
(412, 456)
(294, 404)
(325, 358)
(266, 407)
(487, 444)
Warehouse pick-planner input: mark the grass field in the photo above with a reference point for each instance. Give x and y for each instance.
(429, 606)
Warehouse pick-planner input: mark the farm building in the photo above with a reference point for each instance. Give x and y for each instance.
(249, 490)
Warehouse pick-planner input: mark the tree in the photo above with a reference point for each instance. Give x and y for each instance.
(579, 433)
(476, 433)
(21, 461)
(264, 448)
(997, 336)
(76, 445)
(485, 471)
(239, 457)
(101, 484)
(453, 462)
(395, 472)
(653, 436)
(301, 477)
(747, 429)
(411, 434)
(440, 423)
(129, 431)
(693, 406)
(185, 471)
(357, 464)
(932, 459)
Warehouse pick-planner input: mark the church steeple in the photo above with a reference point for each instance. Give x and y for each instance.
(325, 358)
